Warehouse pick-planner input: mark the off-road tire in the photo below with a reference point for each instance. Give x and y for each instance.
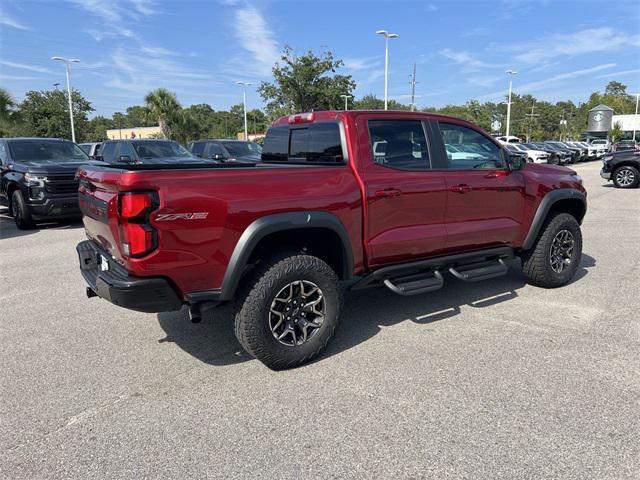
(20, 212)
(254, 302)
(536, 262)
(631, 171)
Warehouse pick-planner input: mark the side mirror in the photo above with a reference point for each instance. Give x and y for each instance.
(125, 159)
(218, 156)
(515, 162)
(99, 158)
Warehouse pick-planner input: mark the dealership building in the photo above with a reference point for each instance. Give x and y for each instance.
(602, 119)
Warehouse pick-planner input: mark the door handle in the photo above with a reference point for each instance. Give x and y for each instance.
(388, 192)
(462, 188)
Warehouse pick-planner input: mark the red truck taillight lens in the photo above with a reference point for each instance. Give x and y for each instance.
(138, 236)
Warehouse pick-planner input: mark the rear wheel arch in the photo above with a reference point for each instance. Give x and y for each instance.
(319, 234)
(562, 200)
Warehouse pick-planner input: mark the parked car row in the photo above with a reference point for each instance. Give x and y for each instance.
(555, 152)
(37, 175)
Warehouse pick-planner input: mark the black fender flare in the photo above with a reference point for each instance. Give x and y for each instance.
(279, 222)
(547, 202)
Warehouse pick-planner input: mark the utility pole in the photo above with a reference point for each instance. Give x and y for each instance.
(531, 117)
(413, 88)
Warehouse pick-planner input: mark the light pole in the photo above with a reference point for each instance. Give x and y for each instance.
(244, 102)
(635, 120)
(511, 73)
(346, 101)
(387, 36)
(67, 61)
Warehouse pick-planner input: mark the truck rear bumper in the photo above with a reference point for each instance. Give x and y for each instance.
(111, 282)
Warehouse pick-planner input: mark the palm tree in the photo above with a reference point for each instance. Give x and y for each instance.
(6, 104)
(163, 106)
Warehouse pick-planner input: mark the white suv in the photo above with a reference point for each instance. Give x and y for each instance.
(603, 146)
(535, 156)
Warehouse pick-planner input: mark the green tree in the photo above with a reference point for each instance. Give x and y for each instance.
(164, 108)
(304, 83)
(9, 115)
(615, 88)
(616, 132)
(97, 129)
(46, 114)
(371, 102)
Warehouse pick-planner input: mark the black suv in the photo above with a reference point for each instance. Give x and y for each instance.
(623, 168)
(145, 152)
(37, 179)
(226, 150)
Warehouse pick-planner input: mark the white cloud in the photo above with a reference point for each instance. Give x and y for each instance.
(15, 77)
(9, 21)
(620, 74)
(254, 35)
(24, 66)
(548, 82)
(591, 40)
(431, 7)
(114, 14)
(465, 59)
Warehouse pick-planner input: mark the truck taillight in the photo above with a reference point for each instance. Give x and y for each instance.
(138, 236)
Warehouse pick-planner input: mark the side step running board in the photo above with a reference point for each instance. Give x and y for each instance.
(477, 272)
(415, 284)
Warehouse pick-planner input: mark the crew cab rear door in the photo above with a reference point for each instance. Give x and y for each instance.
(485, 200)
(405, 198)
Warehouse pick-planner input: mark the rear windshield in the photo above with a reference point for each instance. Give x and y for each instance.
(42, 150)
(318, 143)
(243, 149)
(160, 149)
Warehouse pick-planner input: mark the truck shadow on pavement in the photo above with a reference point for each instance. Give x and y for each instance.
(8, 227)
(364, 315)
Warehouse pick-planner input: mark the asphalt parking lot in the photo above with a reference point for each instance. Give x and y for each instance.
(493, 380)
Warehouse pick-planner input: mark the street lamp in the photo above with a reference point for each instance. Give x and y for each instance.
(387, 36)
(244, 102)
(511, 73)
(67, 61)
(635, 120)
(346, 101)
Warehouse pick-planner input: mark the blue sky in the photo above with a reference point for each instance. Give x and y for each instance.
(561, 49)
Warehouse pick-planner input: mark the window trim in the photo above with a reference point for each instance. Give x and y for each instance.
(438, 134)
(425, 132)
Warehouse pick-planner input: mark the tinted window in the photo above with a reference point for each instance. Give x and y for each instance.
(86, 148)
(399, 144)
(197, 148)
(216, 149)
(160, 149)
(126, 150)
(467, 149)
(33, 150)
(243, 149)
(109, 152)
(276, 145)
(313, 143)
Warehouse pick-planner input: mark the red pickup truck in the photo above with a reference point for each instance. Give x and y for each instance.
(340, 200)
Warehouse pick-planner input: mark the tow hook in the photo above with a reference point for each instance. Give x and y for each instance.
(91, 293)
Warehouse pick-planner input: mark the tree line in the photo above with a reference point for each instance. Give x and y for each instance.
(300, 83)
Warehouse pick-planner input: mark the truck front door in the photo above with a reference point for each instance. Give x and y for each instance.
(485, 200)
